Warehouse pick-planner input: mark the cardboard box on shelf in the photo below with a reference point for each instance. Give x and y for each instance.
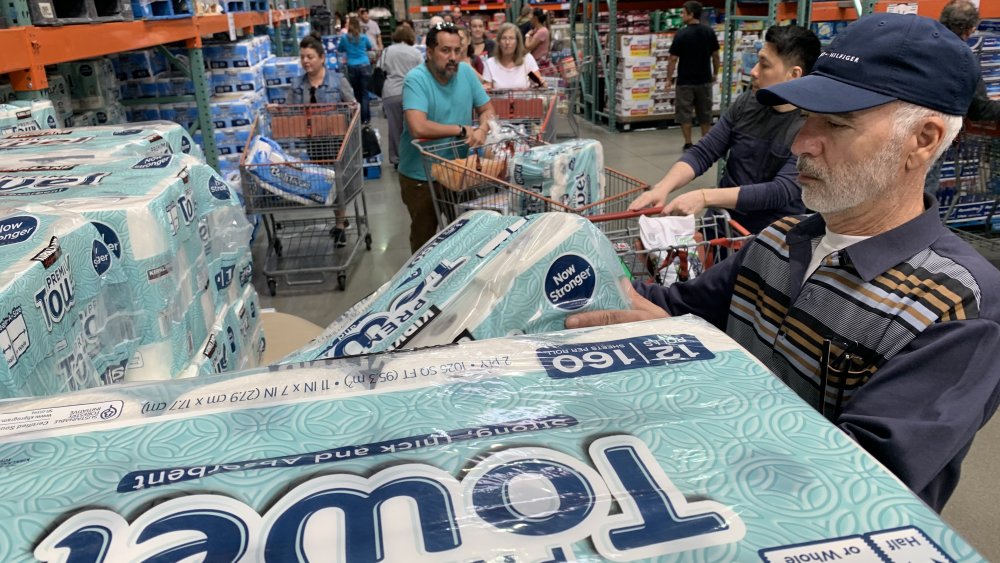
(644, 92)
(630, 46)
(634, 107)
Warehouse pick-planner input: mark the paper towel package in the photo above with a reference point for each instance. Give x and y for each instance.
(169, 219)
(299, 183)
(485, 275)
(570, 173)
(655, 441)
(142, 139)
(24, 116)
(65, 317)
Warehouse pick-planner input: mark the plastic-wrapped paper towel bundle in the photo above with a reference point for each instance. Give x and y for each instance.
(299, 183)
(64, 311)
(570, 173)
(655, 441)
(87, 143)
(18, 116)
(485, 275)
(176, 238)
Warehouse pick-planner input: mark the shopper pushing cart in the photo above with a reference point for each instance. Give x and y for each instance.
(302, 171)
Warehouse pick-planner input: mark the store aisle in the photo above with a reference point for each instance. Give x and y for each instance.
(644, 155)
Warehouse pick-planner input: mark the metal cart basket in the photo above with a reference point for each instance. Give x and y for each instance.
(303, 195)
(463, 179)
(532, 110)
(715, 237)
(966, 182)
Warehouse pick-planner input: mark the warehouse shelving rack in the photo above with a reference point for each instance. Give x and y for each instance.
(599, 64)
(27, 50)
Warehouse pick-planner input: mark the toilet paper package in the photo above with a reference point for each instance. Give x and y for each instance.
(305, 184)
(24, 116)
(280, 71)
(65, 316)
(484, 276)
(570, 173)
(654, 441)
(140, 139)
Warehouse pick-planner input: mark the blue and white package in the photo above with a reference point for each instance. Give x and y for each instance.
(279, 94)
(654, 441)
(84, 143)
(570, 173)
(300, 183)
(25, 116)
(235, 110)
(63, 313)
(483, 276)
(92, 83)
(241, 54)
(228, 81)
(279, 71)
(59, 94)
(145, 210)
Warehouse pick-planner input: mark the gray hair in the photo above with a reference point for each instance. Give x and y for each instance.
(960, 16)
(909, 115)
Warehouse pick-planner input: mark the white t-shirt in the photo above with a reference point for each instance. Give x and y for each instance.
(830, 243)
(509, 78)
(372, 30)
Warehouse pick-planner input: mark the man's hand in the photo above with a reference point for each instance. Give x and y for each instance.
(477, 137)
(691, 203)
(655, 197)
(642, 310)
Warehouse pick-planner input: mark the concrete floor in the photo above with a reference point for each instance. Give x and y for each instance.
(644, 155)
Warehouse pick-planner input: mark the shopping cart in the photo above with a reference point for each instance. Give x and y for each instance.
(464, 179)
(303, 201)
(968, 185)
(530, 111)
(715, 237)
(565, 76)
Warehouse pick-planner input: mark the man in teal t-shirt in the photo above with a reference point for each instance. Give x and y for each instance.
(438, 98)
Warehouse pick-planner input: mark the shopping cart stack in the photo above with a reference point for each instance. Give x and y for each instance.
(302, 173)
(968, 187)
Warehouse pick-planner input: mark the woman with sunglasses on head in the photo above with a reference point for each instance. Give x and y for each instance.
(356, 45)
(318, 85)
(512, 67)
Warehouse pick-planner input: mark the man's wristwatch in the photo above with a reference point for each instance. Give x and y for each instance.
(462, 133)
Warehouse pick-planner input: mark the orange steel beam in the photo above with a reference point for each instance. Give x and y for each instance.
(31, 48)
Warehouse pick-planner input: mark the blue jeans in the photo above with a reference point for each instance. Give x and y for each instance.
(360, 76)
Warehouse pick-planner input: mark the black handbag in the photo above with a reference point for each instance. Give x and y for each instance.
(378, 81)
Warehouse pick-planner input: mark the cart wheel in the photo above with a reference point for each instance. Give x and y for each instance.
(277, 247)
(272, 287)
(342, 282)
(368, 241)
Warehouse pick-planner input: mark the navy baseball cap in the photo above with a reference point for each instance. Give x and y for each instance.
(882, 58)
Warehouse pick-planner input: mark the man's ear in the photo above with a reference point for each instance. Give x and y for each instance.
(795, 72)
(928, 137)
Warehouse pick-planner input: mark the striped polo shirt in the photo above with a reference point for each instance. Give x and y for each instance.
(910, 320)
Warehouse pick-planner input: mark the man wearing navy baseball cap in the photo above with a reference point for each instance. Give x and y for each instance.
(871, 310)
